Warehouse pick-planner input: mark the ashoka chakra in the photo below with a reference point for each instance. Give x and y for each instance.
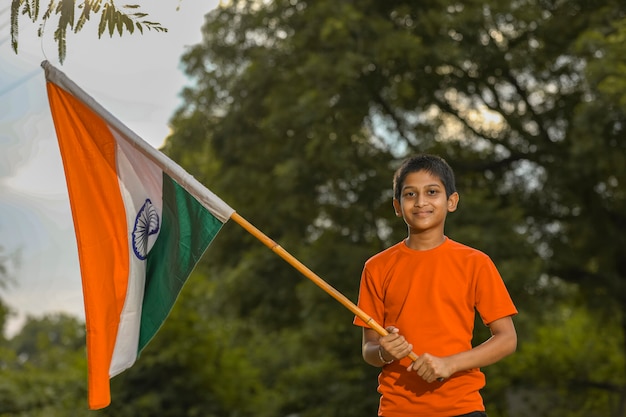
(146, 224)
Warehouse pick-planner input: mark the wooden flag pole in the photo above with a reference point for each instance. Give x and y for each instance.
(276, 248)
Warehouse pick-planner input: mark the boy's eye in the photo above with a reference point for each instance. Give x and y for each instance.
(431, 192)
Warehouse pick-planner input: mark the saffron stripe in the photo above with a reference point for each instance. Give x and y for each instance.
(88, 151)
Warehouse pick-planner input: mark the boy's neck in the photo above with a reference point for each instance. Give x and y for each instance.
(424, 241)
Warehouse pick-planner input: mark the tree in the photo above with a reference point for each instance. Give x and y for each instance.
(44, 368)
(7, 263)
(113, 19)
(587, 365)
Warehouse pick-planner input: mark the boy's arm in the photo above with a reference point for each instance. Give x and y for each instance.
(503, 342)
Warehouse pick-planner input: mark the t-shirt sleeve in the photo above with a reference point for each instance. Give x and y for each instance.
(493, 300)
(370, 299)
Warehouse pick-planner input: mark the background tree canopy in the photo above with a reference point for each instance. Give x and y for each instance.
(300, 113)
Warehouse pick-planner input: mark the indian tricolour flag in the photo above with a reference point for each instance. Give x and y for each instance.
(141, 222)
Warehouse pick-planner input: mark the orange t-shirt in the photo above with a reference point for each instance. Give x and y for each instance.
(432, 296)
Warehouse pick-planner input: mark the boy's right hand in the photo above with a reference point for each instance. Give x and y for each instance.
(394, 345)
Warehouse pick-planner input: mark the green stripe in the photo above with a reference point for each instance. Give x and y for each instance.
(187, 229)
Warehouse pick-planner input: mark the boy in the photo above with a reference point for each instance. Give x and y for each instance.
(425, 291)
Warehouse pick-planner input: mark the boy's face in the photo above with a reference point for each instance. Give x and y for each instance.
(423, 203)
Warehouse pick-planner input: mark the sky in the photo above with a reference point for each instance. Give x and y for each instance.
(138, 78)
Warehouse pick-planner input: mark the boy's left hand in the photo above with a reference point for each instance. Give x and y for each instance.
(431, 368)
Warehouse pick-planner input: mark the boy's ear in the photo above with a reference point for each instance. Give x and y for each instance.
(397, 207)
(453, 202)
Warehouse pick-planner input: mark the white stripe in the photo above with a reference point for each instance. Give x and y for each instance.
(139, 179)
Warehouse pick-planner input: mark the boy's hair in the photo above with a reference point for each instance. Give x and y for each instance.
(432, 164)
